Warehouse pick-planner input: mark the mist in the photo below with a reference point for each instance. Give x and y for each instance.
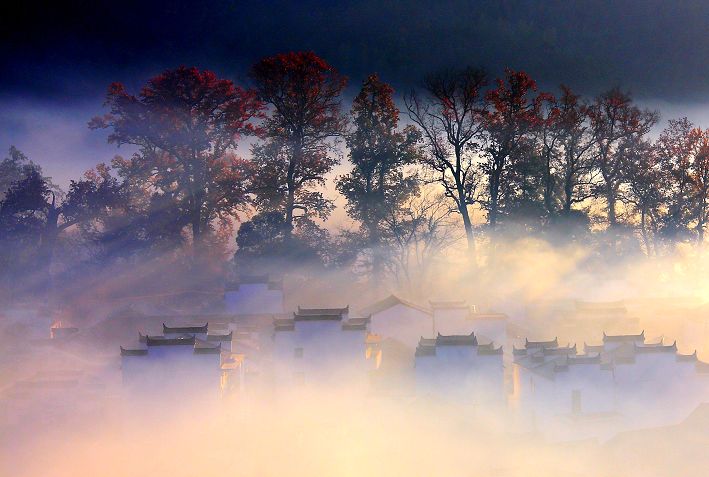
(324, 239)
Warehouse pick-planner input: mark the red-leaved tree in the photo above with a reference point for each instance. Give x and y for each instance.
(303, 91)
(186, 124)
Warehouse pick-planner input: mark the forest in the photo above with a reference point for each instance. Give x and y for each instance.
(222, 180)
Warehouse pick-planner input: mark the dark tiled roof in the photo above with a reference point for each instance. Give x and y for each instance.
(426, 347)
(541, 344)
(133, 351)
(559, 350)
(319, 317)
(185, 329)
(456, 340)
(162, 341)
(519, 351)
(322, 311)
(593, 348)
(356, 323)
(657, 348)
(489, 349)
(427, 341)
(220, 337)
(622, 338)
(204, 347)
(425, 350)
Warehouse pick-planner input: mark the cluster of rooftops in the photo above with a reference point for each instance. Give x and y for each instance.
(539, 356)
(547, 357)
(198, 337)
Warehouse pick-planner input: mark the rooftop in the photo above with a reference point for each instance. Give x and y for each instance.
(541, 344)
(356, 323)
(389, 302)
(322, 311)
(621, 338)
(456, 340)
(163, 341)
(185, 328)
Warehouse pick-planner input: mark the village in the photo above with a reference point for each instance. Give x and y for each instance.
(584, 381)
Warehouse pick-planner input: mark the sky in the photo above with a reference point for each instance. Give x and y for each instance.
(57, 59)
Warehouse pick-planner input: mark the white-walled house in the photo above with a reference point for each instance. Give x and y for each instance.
(254, 296)
(321, 347)
(400, 320)
(623, 383)
(457, 367)
(173, 365)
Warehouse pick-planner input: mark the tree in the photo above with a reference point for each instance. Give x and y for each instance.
(35, 212)
(273, 190)
(186, 124)
(617, 125)
(574, 163)
(678, 147)
(645, 191)
(378, 185)
(303, 91)
(13, 168)
(700, 187)
(264, 248)
(511, 117)
(449, 115)
(420, 233)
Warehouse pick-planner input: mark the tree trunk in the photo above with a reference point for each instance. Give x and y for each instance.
(643, 231)
(549, 188)
(467, 223)
(611, 200)
(494, 199)
(48, 242)
(290, 199)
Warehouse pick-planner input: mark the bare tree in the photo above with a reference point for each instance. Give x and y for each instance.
(574, 164)
(418, 235)
(616, 124)
(450, 116)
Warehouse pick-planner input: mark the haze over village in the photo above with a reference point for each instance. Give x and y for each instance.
(347, 239)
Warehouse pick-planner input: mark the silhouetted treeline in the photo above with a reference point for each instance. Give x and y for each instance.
(474, 159)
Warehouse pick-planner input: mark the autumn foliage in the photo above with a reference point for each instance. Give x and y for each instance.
(487, 157)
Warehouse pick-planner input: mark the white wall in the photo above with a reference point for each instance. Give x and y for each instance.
(459, 373)
(320, 352)
(253, 298)
(403, 324)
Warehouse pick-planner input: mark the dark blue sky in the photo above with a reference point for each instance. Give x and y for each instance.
(657, 48)
(56, 58)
